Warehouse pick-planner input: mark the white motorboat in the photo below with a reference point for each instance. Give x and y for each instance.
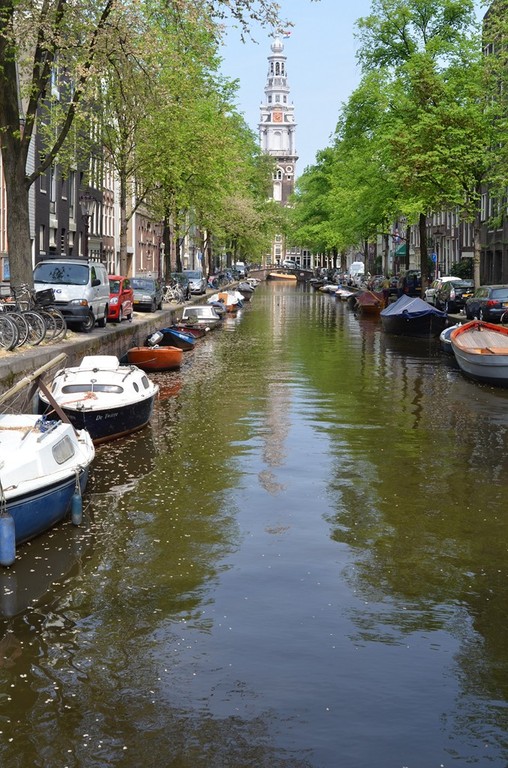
(102, 396)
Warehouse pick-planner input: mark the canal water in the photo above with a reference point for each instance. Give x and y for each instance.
(301, 563)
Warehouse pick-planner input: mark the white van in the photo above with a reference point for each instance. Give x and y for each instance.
(356, 271)
(81, 290)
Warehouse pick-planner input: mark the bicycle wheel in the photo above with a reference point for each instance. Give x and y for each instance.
(37, 327)
(9, 334)
(22, 326)
(49, 322)
(60, 323)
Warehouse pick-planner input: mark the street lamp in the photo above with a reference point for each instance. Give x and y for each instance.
(87, 204)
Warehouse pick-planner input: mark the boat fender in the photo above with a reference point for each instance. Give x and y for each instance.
(77, 503)
(7, 539)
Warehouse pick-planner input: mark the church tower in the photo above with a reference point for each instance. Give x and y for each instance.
(277, 123)
(277, 130)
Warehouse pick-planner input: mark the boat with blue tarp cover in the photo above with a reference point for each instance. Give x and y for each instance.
(411, 316)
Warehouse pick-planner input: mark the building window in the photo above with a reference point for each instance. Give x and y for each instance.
(43, 182)
(42, 235)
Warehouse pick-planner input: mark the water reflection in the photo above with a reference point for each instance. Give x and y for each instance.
(303, 557)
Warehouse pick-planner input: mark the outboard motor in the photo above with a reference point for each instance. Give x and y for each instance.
(155, 339)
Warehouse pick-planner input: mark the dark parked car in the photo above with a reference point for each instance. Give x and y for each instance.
(181, 279)
(489, 302)
(452, 295)
(410, 283)
(148, 293)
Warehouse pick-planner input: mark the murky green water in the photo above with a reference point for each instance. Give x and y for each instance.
(301, 563)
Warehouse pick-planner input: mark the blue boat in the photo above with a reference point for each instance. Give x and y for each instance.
(174, 337)
(411, 316)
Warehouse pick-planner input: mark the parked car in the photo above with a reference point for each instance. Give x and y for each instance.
(197, 280)
(452, 295)
(81, 290)
(182, 279)
(289, 264)
(121, 298)
(410, 283)
(148, 293)
(489, 302)
(430, 292)
(240, 269)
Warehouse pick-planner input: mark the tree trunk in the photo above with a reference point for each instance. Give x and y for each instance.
(477, 251)
(424, 257)
(386, 252)
(123, 222)
(14, 162)
(18, 225)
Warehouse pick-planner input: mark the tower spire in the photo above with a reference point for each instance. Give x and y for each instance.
(277, 123)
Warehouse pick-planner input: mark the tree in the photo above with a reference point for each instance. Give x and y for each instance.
(39, 40)
(418, 42)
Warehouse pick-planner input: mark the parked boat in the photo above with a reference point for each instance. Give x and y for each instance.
(193, 330)
(282, 276)
(370, 302)
(43, 465)
(481, 350)
(411, 316)
(344, 294)
(175, 337)
(156, 358)
(445, 338)
(246, 290)
(103, 396)
(201, 316)
(232, 300)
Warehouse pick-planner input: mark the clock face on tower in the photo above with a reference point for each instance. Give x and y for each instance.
(277, 117)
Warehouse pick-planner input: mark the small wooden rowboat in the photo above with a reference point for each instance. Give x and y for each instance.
(481, 350)
(370, 302)
(156, 358)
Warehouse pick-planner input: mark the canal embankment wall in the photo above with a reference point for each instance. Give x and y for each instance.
(115, 339)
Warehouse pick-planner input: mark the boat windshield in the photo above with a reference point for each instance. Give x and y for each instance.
(113, 389)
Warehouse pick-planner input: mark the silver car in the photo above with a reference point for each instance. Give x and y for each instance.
(197, 281)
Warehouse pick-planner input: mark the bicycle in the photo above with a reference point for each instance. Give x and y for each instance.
(9, 334)
(42, 303)
(174, 293)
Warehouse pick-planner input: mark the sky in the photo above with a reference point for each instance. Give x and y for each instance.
(321, 66)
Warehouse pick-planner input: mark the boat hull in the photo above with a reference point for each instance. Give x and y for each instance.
(111, 423)
(156, 358)
(418, 327)
(38, 512)
(281, 276)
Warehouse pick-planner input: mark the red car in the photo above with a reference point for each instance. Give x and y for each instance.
(120, 299)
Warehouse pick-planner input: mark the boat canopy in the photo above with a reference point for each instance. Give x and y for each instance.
(411, 306)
